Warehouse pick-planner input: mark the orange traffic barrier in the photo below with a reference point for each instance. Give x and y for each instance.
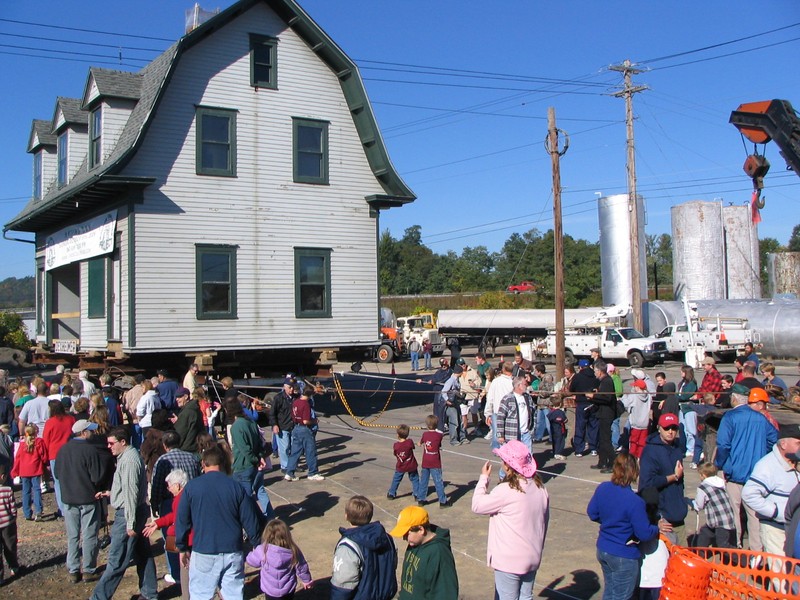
(729, 574)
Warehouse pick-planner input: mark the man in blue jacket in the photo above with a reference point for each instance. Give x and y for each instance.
(217, 508)
(661, 467)
(744, 437)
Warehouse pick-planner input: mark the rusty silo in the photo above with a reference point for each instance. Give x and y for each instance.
(698, 259)
(784, 273)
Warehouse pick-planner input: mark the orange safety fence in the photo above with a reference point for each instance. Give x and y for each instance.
(729, 574)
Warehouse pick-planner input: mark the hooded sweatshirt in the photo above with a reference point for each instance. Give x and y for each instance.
(429, 570)
(637, 403)
(278, 574)
(657, 462)
(364, 564)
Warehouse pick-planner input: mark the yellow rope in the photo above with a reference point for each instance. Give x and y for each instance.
(359, 420)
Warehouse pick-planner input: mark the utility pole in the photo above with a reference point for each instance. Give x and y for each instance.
(551, 145)
(627, 69)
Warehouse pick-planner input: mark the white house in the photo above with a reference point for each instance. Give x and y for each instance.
(224, 198)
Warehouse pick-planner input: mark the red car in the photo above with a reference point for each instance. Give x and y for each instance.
(524, 286)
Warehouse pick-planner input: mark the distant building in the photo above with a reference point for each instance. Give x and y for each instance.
(225, 197)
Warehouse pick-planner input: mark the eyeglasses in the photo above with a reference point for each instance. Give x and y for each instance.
(671, 428)
(112, 443)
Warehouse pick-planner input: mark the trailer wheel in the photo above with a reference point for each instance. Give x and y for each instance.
(636, 359)
(385, 353)
(569, 357)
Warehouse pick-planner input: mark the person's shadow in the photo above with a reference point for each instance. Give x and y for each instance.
(585, 584)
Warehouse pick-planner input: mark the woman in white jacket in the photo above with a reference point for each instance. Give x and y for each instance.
(147, 405)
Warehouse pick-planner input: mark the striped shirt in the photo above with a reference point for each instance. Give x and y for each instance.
(129, 488)
(166, 463)
(8, 510)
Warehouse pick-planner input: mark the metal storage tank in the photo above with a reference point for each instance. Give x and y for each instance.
(784, 273)
(615, 249)
(775, 323)
(741, 253)
(698, 259)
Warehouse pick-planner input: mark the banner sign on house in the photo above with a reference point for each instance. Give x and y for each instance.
(94, 237)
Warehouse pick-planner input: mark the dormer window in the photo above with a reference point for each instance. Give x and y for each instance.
(62, 159)
(95, 138)
(37, 175)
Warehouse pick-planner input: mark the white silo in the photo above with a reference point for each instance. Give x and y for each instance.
(698, 259)
(615, 249)
(743, 279)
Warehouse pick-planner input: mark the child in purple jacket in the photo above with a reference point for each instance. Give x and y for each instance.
(281, 562)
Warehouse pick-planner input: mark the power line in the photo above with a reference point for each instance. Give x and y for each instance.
(699, 60)
(63, 27)
(78, 60)
(73, 53)
(479, 87)
(490, 114)
(63, 41)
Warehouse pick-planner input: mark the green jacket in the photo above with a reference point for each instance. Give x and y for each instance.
(247, 446)
(429, 570)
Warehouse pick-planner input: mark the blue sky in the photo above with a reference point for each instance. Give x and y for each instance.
(461, 90)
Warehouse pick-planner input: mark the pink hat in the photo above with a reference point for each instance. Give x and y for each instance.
(610, 368)
(517, 456)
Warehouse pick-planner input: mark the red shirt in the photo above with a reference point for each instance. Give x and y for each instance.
(57, 432)
(712, 382)
(29, 464)
(301, 411)
(406, 461)
(431, 442)
(168, 520)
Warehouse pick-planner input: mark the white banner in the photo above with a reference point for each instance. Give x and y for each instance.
(94, 237)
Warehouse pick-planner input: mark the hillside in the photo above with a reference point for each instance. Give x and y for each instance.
(17, 293)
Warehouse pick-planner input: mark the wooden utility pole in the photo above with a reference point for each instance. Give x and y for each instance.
(627, 69)
(551, 145)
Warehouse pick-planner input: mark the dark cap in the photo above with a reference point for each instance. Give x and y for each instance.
(595, 350)
(457, 370)
(461, 361)
(791, 430)
(182, 391)
(138, 378)
(290, 381)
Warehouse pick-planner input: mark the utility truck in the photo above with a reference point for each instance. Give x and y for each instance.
(606, 332)
(396, 334)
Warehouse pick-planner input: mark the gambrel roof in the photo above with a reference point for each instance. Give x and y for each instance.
(93, 189)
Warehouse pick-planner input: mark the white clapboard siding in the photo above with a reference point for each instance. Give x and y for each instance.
(49, 167)
(115, 114)
(262, 210)
(77, 147)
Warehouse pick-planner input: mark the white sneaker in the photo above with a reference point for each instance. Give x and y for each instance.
(593, 452)
(488, 436)
(169, 579)
(316, 477)
(558, 457)
(288, 477)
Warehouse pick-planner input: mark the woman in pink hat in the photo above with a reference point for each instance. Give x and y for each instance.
(519, 512)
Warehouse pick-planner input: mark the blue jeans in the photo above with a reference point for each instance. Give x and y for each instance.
(542, 424)
(494, 443)
(31, 484)
(252, 481)
(123, 549)
(398, 477)
(437, 482)
(284, 441)
(415, 361)
(207, 572)
(689, 421)
(453, 415)
(56, 486)
(82, 521)
(427, 356)
(302, 442)
(619, 574)
(509, 586)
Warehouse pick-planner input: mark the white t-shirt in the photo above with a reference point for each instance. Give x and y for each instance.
(522, 409)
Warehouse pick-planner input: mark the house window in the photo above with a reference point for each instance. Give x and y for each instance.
(95, 138)
(312, 282)
(37, 175)
(216, 281)
(310, 151)
(216, 142)
(263, 61)
(62, 159)
(96, 282)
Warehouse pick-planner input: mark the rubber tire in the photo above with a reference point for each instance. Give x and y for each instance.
(636, 359)
(569, 357)
(384, 353)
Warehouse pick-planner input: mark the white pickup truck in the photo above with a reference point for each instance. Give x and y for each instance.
(723, 342)
(614, 343)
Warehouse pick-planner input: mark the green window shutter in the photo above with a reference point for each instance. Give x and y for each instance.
(96, 279)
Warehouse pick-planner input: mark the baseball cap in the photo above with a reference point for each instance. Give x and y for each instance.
(583, 362)
(668, 420)
(740, 389)
(639, 383)
(82, 425)
(638, 373)
(289, 381)
(461, 361)
(595, 350)
(610, 368)
(410, 516)
(757, 395)
(709, 361)
(182, 391)
(790, 430)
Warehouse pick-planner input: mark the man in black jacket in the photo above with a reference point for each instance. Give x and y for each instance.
(585, 436)
(280, 417)
(79, 470)
(605, 407)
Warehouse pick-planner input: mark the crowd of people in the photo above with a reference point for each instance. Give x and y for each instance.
(168, 458)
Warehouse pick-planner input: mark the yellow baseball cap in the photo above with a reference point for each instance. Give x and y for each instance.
(410, 516)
